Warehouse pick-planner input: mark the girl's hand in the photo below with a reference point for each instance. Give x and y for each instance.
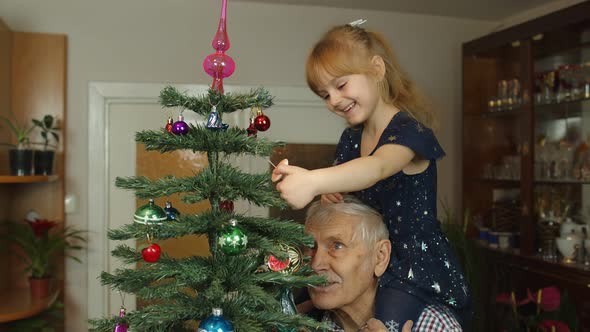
(332, 198)
(297, 186)
(276, 175)
(408, 326)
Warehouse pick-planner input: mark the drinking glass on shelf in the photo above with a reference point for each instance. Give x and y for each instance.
(564, 83)
(541, 158)
(577, 83)
(488, 171)
(552, 170)
(538, 89)
(514, 91)
(492, 104)
(585, 80)
(502, 102)
(549, 86)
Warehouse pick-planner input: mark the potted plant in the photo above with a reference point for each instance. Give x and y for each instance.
(545, 310)
(43, 159)
(20, 154)
(38, 244)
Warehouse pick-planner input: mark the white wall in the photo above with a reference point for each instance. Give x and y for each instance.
(143, 41)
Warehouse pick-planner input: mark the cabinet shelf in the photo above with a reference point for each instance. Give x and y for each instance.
(537, 182)
(570, 104)
(28, 178)
(497, 114)
(528, 262)
(17, 304)
(575, 107)
(564, 182)
(498, 181)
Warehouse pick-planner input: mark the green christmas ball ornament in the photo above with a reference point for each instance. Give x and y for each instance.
(231, 239)
(150, 214)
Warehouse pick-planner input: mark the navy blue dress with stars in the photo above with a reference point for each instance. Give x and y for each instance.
(422, 262)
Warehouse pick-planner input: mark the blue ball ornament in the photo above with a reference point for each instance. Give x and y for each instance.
(171, 212)
(215, 323)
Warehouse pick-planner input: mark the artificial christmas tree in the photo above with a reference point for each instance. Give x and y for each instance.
(253, 261)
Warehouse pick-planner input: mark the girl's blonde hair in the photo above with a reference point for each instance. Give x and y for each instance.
(347, 50)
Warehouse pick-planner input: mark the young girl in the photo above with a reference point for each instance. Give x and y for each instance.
(387, 157)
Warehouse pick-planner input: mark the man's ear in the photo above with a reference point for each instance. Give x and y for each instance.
(378, 66)
(382, 255)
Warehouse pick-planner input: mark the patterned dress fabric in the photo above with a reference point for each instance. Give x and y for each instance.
(422, 262)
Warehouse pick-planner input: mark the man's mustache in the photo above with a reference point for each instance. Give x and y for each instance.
(330, 279)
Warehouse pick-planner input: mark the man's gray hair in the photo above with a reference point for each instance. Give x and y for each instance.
(371, 227)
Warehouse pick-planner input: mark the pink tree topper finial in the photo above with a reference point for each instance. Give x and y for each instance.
(219, 65)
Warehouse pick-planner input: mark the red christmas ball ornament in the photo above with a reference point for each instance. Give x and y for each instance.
(261, 122)
(252, 131)
(227, 206)
(169, 125)
(151, 253)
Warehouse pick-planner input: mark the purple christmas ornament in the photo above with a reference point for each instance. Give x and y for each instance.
(121, 327)
(180, 127)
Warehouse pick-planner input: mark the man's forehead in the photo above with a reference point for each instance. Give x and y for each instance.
(343, 226)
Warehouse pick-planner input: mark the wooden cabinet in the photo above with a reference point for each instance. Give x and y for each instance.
(32, 84)
(526, 159)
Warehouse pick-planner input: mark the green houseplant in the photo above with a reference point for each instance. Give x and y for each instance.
(38, 243)
(467, 252)
(20, 154)
(43, 159)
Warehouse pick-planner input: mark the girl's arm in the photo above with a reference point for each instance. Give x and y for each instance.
(299, 186)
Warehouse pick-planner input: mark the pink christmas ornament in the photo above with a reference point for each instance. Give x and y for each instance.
(220, 65)
(220, 42)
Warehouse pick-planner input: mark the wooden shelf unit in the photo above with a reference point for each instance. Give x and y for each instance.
(518, 137)
(18, 304)
(28, 179)
(33, 72)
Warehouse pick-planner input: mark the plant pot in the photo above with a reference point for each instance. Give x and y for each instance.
(21, 161)
(39, 287)
(43, 162)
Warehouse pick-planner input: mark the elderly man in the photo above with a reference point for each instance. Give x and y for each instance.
(352, 251)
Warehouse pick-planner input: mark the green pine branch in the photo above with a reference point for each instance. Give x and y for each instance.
(264, 320)
(157, 318)
(225, 103)
(228, 183)
(182, 226)
(233, 272)
(233, 140)
(297, 279)
(288, 232)
(244, 317)
(280, 231)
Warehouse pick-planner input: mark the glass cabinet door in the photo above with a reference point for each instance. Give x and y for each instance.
(561, 113)
(492, 141)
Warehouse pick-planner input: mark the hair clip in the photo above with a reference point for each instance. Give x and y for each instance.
(357, 23)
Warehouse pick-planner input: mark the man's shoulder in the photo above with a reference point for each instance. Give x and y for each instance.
(436, 318)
